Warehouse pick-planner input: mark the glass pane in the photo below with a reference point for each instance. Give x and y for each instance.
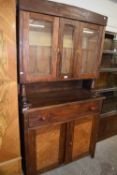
(67, 49)
(40, 47)
(110, 103)
(109, 61)
(89, 50)
(106, 80)
(109, 58)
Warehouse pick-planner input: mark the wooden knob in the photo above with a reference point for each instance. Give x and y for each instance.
(93, 108)
(70, 143)
(43, 118)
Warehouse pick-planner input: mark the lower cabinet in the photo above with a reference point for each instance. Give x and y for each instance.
(45, 148)
(51, 143)
(81, 137)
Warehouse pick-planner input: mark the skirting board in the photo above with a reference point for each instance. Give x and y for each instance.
(11, 167)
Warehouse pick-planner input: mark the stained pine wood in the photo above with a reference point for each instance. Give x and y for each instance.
(93, 62)
(54, 129)
(62, 10)
(61, 113)
(45, 146)
(29, 62)
(64, 23)
(26, 75)
(60, 118)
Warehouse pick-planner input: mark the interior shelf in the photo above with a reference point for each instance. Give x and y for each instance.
(106, 85)
(105, 89)
(110, 52)
(110, 103)
(110, 113)
(109, 69)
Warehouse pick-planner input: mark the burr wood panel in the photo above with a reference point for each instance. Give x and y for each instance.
(48, 146)
(10, 161)
(82, 137)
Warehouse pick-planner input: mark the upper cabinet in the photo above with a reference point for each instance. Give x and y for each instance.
(39, 47)
(88, 51)
(80, 48)
(56, 45)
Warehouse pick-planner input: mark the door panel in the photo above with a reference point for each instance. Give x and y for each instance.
(47, 148)
(89, 51)
(40, 47)
(81, 137)
(67, 42)
(40, 41)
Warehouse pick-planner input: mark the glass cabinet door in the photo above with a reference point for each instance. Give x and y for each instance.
(40, 46)
(89, 50)
(68, 30)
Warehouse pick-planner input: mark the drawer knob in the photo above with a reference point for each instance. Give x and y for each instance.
(93, 108)
(43, 118)
(70, 143)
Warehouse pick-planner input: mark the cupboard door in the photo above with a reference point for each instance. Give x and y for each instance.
(89, 51)
(46, 150)
(81, 137)
(39, 39)
(67, 41)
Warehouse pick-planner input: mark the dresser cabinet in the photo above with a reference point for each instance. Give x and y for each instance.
(59, 118)
(59, 134)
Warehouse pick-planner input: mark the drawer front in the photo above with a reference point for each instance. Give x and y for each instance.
(61, 113)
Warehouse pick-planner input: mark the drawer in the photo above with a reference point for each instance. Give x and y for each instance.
(61, 113)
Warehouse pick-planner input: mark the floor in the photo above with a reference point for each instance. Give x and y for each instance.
(104, 163)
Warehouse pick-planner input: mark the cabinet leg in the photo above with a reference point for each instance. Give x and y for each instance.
(93, 154)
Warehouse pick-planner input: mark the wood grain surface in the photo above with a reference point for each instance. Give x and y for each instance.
(47, 146)
(9, 128)
(82, 137)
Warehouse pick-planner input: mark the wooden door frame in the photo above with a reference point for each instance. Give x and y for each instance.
(78, 61)
(24, 46)
(76, 26)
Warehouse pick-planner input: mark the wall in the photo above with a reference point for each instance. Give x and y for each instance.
(10, 160)
(105, 7)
